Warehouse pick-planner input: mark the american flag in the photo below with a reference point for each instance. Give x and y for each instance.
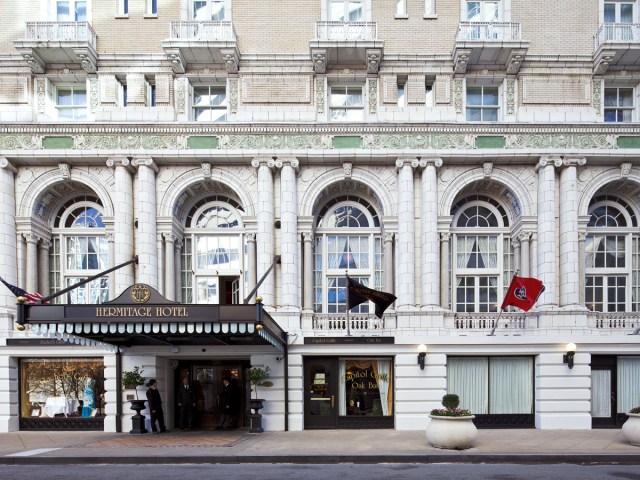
(19, 292)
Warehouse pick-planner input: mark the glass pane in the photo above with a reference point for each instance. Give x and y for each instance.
(355, 11)
(626, 13)
(609, 115)
(473, 11)
(63, 12)
(490, 96)
(338, 97)
(79, 97)
(489, 11)
(609, 13)
(474, 114)
(65, 96)
(210, 114)
(601, 393)
(81, 12)
(490, 115)
(610, 97)
(354, 114)
(336, 11)
(200, 10)
(217, 10)
(207, 290)
(474, 95)
(625, 97)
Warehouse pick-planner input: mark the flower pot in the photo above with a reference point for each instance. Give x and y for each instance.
(256, 417)
(454, 433)
(137, 421)
(631, 429)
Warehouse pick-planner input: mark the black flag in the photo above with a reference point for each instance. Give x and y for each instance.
(358, 294)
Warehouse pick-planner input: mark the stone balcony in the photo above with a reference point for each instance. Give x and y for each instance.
(59, 43)
(202, 43)
(615, 322)
(346, 44)
(357, 324)
(486, 322)
(617, 45)
(489, 45)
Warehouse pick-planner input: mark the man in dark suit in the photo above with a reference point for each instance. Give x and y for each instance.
(186, 403)
(155, 407)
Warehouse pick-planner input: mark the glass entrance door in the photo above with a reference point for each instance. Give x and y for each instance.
(603, 391)
(321, 392)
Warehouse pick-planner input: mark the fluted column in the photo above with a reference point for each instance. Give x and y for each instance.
(169, 266)
(516, 253)
(444, 270)
(582, 235)
(387, 239)
(112, 276)
(265, 238)
(43, 267)
(251, 267)
(547, 245)
(32, 262)
(8, 238)
(430, 240)
(178, 270)
(406, 250)
(145, 209)
(525, 238)
(289, 235)
(307, 238)
(122, 224)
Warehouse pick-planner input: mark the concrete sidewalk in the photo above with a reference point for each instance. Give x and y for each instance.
(315, 446)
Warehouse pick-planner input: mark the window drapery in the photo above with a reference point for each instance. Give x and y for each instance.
(600, 393)
(628, 383)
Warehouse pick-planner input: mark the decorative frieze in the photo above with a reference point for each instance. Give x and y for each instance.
(319, 91)
(109, 142)
(586, 141)
(274, 141)
(373, 96)
(233, 95)
(458, 94)
(511, 96)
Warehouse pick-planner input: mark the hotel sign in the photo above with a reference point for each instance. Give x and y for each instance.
(349, 340)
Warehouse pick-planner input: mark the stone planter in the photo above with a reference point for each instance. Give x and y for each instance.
(137, 421)
(454, 433)
(631, 429)
(256, 417)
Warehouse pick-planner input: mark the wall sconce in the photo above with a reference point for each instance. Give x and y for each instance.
(568, 357)
(422, 353)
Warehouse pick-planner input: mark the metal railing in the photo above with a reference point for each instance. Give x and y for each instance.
(348, 31)
(202, 30)
(61, 31)
(487, 321)
(489, 31)
(338, 322)
(617, 32)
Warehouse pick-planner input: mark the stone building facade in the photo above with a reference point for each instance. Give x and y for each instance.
(427, 148)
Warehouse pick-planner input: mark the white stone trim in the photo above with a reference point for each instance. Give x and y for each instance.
(599, 181)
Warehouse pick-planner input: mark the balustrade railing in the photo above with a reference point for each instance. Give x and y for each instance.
(356, 322)
(487, 321)
(61, 31)
(489, 31)
(202, 30)
(617, 32)
(348, 31)
(615, 321)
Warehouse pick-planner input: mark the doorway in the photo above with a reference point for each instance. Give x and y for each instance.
(603, 391)
(321, 392)
(206, 379)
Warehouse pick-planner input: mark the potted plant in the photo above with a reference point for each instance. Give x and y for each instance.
(631, 428)
(258, 377)
(451, 427)
(131, 380)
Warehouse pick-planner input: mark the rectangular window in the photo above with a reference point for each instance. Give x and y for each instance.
(122, 8)
(94, 292)
(628, 385)
(402, 98)
(606, 293)
(618, 105)
(401, 8)
(366, 387)
(210, 104)
(428, 94)
(346, 10)
(71, 103)
(346, 104)
(187, 272)
(605, 251)
(209, 10)
(71, 11)
(483, 11)
(482, 104)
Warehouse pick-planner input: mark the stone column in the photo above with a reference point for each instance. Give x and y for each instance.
(525, 238)
(533, 264)
(582, 235)
(178, 270)
(547, 247)
(251, 267)
(112, 255)
(169, 266)
(445, 282)
(387, 239)
(8, 237)
(161, 260)
(145, 209)
(405, 289)
(290, 280)
(265, 238)
(32, 262)
(307, 238)
(516, 254)
(430, 240)
(569, 252)
(43, 267)
(122, 223)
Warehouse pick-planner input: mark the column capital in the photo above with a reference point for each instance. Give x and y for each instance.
(170, 237)
(251, 237)
(6, 164)
(307, 237)
(144, 161)
(31, 238)
(426, 162)
(549, 160)
(402, 162)
(387, 237)
(45, 243)
(270, 162)
(525, 236)
(445, 236)
(515, 241)
(582, 235)
(292, 162)
(178, 242)
(573, 161)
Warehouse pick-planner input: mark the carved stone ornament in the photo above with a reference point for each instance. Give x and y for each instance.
(625, 169)
(373, 96)
(319, 59)
(602, 62)
(487, 169)
(233, 95)
(596, 97)
(458, 94)
(511, 96)
(34, 61)
(65, 171)
(206, 170)
(373, 60)
(181, 95)
(177, 64)
(461, 60)
(231, 60)
(319, 91)
(551, 160)
(347, 169)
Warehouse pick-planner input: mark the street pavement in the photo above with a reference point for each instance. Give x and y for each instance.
(523, 446)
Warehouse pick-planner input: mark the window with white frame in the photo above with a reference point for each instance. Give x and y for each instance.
(483, 104)
(152, 8)
(79, 249)
(612, 256)
(346, 103)
(348, 240)
(209, 10)
(71, 10)
(122, 8)
(210, 103)
(619, 17)
(401, 8)
(346, 10)
(483, 11)
(428, 93)
(430, 9)
(71, 102)
(482, 255)
(214, 253)
(618, 104)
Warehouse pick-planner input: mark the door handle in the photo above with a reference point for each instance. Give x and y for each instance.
(613, 397)
(333, 401)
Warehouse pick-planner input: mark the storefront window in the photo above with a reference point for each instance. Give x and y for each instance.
(366, 387)
(62, 387)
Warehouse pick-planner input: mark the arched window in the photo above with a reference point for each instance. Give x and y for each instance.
(213, 254)
(482, 255)
(79, 249)
(347, 240)
(611, 256)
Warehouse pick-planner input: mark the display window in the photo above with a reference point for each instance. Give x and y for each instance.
(366, 387)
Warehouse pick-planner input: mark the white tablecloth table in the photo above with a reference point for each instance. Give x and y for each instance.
(56, 405)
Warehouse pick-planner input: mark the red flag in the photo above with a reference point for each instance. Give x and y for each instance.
(523, 293)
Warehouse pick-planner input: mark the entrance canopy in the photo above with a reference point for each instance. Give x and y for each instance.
(142, 316)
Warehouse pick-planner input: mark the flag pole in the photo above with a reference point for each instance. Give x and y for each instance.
(493, 330)
(346, 274)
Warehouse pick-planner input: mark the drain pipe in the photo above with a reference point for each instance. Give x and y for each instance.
(118, 390)
(286, 382)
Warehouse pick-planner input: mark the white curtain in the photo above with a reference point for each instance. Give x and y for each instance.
(628, 383)
(600, 393)
(336, 246)
(468, 378)
(342, 382)
(511, 385)
(384, 383)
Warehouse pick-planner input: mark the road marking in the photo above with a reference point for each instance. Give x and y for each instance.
(29, 453)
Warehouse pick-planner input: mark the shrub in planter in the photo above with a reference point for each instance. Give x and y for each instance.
(451, 427)
(631, 428)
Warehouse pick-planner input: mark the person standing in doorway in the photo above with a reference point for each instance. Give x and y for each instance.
(186, 403)
(155, 407)
(226, 402)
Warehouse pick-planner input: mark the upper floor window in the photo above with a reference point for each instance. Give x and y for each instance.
(71, 102)
(122, 8)
(71, 11)
(401, 8)
(346, 10)
(209, 103)
(209, 10)
(619, 12)
(482, 104)
(618, 104)
(483, 11)
(152, 7)
(346, 103)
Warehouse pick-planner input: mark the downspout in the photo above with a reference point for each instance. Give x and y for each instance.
(118, 390)
(286, 382)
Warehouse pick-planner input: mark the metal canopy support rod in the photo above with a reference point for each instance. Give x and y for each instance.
(276, 260)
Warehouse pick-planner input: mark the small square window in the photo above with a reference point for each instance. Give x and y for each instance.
(210, 103)
(482, 104)
(71, 103)
(618, 105)
(346, 104)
